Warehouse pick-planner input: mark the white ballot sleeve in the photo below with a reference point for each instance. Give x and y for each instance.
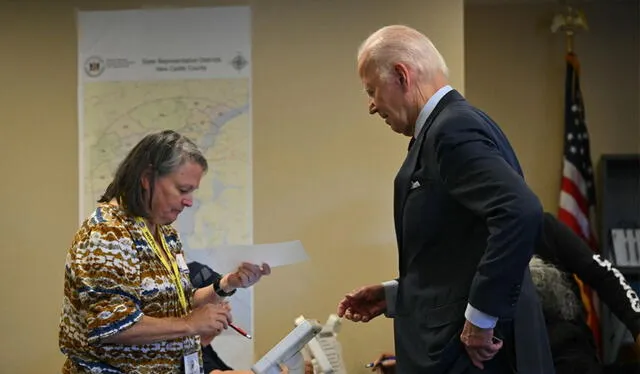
(289, 346)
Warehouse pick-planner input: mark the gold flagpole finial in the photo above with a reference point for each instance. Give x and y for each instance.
(569, 21)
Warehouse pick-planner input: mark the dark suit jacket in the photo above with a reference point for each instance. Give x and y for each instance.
(465, 235)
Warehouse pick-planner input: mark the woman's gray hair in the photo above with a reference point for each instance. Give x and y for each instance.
(556, 295)
(401, 44)
(156, 155)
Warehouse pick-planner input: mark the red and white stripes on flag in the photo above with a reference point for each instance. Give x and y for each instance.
(575, 206)
(577, 192)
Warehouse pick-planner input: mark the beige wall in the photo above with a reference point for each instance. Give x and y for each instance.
(515, 71)
(323, 168)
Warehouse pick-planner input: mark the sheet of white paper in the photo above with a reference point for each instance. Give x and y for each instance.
(229, 257)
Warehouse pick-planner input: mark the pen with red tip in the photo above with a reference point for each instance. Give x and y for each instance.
(240, 331)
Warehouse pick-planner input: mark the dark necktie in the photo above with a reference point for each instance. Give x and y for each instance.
(413, 140)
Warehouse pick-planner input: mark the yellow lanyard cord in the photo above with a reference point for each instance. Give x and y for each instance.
(171, 266)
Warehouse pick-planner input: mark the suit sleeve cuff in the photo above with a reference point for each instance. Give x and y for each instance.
(480, 319)
(390, 296)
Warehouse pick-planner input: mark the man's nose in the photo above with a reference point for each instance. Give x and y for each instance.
(187, 201)
(372, 108)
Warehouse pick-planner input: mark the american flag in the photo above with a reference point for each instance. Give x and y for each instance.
(577, 192)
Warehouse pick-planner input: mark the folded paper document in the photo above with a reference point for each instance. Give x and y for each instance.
(228, 257)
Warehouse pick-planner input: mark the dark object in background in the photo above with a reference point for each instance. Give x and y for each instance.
(203, 276)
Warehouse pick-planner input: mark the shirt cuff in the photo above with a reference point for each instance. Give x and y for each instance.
(390, 296)
(480, 319)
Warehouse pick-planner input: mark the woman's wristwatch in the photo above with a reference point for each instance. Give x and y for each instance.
(219, 291)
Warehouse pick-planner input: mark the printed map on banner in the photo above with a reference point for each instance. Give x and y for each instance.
(142, 71)
(214, 113)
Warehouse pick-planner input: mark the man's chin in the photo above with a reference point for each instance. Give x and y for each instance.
(399, 129)
(394, 128)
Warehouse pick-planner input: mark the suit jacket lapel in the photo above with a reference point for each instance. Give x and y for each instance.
(402, 183)
(403, 179)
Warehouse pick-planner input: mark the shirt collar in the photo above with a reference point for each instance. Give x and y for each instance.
(429, 107)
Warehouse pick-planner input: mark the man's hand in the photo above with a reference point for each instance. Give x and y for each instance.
(363, 304)
(245, 276)
(480, 344)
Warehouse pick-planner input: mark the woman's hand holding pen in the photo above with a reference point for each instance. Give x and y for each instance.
(209, 320)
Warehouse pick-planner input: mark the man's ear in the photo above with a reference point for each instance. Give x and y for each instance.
(401, 74)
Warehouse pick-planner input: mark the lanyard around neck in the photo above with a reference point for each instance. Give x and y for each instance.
(169, 262)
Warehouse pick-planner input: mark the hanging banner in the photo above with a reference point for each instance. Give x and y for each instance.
(189, 70)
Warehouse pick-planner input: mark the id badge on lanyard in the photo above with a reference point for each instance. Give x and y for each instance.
(182, 264)
(192, 363)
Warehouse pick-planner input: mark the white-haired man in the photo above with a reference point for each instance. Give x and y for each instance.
(466, 224)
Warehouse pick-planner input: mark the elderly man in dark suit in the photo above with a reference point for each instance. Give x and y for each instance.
(466, 224)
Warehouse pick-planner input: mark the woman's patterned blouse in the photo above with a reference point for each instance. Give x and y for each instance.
(112, 278)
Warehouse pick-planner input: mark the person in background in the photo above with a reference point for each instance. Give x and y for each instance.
(128, 304)
(203, 276)
(466, 224)
(573, 352)
(569, 334)
(560, 255)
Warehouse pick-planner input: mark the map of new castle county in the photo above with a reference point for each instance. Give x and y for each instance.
(212, 112)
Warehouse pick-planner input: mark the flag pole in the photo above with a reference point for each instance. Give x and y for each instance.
(569, 36)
